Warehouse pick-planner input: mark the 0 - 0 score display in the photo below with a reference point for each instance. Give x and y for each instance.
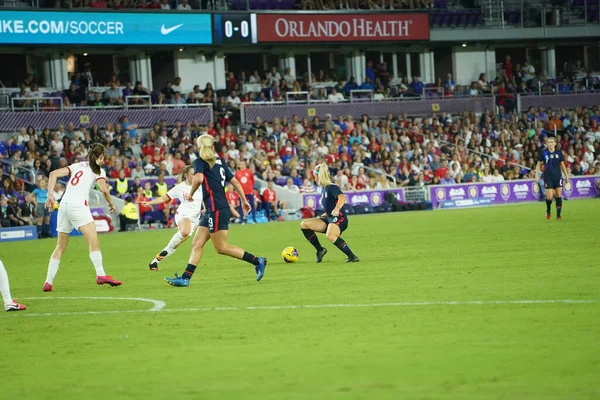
(235, 29)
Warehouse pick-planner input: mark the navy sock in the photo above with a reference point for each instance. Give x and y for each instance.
(343, 246)
(189, 271)
(311, 236)
(548, 205)
(558, 206)
(250, 258)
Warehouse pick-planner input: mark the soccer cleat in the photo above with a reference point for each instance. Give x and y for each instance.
(14, 306)
(161, 256)
(107, 280)
(47, 287)
(260, 268)
(153, 266)
(548, 215)
(320, 254)
(352, 259)
(178, 281)
(559, 218)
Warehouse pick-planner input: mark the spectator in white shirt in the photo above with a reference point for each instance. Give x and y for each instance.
(196, 96)
(273, 76)
(233, 153)
(288, 77)
(254, 78)
(184, 6)
(378, 96)
(528, 71)
(233, 99)
(164, 5)
(291, 187)
(335, 97)
(177, 85)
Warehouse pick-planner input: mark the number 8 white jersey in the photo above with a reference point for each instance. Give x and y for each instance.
(81, 180)
(187, 209)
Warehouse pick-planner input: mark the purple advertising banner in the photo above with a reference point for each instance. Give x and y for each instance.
(512, 191)
(372, 197)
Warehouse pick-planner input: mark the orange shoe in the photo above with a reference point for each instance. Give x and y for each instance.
(14, 306)
(107, 280)
(548, 215)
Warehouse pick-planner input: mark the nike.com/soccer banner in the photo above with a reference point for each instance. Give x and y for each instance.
(469, 195)
(123, 28)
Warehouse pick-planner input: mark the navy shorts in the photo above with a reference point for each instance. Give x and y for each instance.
(341, 221)
(553, 182)
(217, 220)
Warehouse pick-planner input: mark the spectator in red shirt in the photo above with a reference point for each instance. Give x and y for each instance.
(271, 205)
(154, 5)
(234, 202)
(507, 67)
(98, 4)
(246, 178)
(148, 149)
(441, 171)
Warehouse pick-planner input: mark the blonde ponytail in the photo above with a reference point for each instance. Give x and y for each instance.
(205, 143)
(323, 178)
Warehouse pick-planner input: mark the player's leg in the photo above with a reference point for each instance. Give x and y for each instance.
(219, 239)
(61, 245)
(334, 232)
(559, 201)
(184, 229)
(91, 237)
(309, 228)
(9, 303)
(549, 197)
(202, 236)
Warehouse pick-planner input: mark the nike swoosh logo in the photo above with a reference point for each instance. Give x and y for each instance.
(166, 31)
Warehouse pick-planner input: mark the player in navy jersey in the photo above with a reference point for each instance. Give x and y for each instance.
(554, 169)
(212, 174)
(333, 222)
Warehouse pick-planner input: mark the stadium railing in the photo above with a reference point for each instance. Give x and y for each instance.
(97, 200)
(23, 173)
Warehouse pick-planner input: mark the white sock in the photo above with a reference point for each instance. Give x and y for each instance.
(4, 287)
(170, 249)
(52, 270)
(96, 257)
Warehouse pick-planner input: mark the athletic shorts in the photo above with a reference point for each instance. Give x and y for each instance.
(193, 221)
(341, 221)
(73, 216)
(217, 220)
(553, 182)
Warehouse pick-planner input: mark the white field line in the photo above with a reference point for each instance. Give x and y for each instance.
(159, 305)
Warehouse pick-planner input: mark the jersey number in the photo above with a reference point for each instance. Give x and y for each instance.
(222, 176)
(76, 177)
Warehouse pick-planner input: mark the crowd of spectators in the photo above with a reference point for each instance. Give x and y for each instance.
(440, 149)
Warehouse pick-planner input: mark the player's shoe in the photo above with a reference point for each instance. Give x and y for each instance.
(178, 281)
(14, 306)
(559, 218)
(260, 268)
(153, 266)
(107, 280)
(352, 259)
(548, 215)
(320, 254)
(47, 287)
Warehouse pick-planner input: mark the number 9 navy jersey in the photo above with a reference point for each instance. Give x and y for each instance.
(213, 187)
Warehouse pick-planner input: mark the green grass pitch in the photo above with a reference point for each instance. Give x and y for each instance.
(208, 342)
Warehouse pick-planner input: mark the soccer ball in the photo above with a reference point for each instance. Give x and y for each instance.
(290, 255)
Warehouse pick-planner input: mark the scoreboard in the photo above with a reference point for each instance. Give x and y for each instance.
(235, 29)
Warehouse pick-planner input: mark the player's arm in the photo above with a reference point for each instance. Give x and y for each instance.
(341, 200)
(196, 183)
(54, 175)
(538, 169)
(159, 200)
(105, 189)
(563, 168)
(238, 188)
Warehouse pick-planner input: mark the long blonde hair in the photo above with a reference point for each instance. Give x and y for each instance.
(323, 177)
(205, 143)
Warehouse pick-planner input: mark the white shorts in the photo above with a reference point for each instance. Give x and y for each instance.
(193, 221)
(73, 216)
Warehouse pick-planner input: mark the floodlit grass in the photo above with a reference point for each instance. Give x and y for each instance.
(402, 351)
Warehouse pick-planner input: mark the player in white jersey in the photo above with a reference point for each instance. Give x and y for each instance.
(9, 303)
(74, 211)
(186, 218)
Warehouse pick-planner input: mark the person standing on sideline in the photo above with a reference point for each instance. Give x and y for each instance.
(246, 178)
(554, 170)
